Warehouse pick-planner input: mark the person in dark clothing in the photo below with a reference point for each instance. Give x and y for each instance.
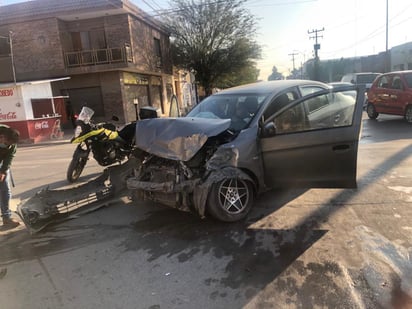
(8, 146)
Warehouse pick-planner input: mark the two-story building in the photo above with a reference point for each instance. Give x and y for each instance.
(114, 53)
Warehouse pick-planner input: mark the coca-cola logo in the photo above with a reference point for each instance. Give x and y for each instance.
(41, 125)
(6, 92)
(8, 116)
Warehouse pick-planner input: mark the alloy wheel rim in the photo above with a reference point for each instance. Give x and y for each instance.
(233, 195)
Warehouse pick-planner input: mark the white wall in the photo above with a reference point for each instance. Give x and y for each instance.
(11, 104)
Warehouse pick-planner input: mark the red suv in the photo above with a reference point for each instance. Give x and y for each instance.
(391, 93)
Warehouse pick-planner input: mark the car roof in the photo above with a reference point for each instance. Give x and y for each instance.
(271, 86)
(363, 73)
(398, 72)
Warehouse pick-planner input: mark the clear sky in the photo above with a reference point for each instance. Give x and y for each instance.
(351, 28)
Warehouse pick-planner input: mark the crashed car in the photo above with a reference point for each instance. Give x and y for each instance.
(245, 140)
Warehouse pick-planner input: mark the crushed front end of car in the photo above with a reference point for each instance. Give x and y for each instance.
(180, 160)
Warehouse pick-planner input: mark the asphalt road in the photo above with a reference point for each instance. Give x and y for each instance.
(316, 248)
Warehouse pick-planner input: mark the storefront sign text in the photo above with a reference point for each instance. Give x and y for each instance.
(6, 92)
(41, 125)
(8, 116)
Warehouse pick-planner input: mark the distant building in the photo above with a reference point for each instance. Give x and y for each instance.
(114, 53)
(400, 58)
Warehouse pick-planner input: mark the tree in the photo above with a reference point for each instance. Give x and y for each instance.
(248, 74)
(214, 39)
(275, 74)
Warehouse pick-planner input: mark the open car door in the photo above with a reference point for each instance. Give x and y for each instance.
(313, 141)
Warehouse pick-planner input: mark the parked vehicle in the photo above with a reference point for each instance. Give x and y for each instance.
(391, 93)
(245, 140)
(364, 79)
(107, 145)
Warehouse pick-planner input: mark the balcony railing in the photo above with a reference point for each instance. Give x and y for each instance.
(98, 56)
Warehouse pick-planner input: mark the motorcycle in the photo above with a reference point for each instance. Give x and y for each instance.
(107, 144)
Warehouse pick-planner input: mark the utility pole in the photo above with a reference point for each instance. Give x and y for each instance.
(316, 47)
(387, 64)
(12, 58)
(10, 41)
(293, 61)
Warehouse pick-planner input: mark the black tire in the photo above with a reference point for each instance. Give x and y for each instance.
(75, 168)
(230, 199)
(371, 110)
(408, 114)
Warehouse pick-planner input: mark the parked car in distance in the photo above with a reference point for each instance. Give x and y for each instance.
(391, 93)
(364, 79)
(245, 140)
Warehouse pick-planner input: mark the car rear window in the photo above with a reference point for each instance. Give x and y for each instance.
(366, 78)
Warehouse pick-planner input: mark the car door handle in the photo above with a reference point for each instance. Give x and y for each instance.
(384, 96)
(340, 148)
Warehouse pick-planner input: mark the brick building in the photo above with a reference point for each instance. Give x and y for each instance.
(114, 53)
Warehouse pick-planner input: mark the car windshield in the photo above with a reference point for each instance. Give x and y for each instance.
(239, 108)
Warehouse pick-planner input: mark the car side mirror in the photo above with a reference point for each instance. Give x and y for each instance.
(269, 129)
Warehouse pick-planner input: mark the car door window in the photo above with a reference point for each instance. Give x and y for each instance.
(307, 90)
(397, 82)
(320, 112)
(383, 82)
(280, 102)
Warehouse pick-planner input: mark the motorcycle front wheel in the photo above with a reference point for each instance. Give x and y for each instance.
(76, 166)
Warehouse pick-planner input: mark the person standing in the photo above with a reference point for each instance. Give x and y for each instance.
(8, 146)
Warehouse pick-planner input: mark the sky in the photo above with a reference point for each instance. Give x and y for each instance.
(351, 28)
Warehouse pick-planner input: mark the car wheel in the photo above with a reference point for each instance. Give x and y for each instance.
(230, 199)
(372, 114)
(408, 114)
(75, 168)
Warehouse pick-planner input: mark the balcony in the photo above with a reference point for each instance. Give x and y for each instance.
(98, 56)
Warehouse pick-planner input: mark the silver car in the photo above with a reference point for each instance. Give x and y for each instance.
(245, 140)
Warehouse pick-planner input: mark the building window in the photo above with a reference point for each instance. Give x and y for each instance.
(87, 40)
(157, 52)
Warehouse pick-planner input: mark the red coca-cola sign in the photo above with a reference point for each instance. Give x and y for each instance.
(6, 92)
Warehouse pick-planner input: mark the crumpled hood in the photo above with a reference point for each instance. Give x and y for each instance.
(177, 138)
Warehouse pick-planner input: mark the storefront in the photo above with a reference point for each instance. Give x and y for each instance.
(31, 108)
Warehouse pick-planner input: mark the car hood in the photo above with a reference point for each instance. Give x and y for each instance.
(177, 138)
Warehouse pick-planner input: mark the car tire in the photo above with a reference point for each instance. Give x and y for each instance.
(230, 199)
(371, 110)
(408, 114)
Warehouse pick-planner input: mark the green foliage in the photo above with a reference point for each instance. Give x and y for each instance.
(214, 39)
